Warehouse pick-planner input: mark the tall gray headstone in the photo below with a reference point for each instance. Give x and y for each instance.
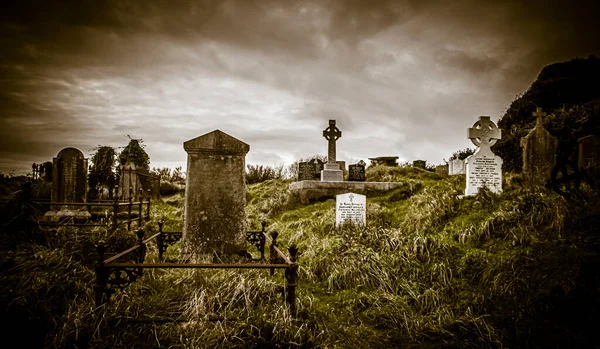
(332, 172)
(539, 152)
(483, 168)
(215, 195)
(69, 176)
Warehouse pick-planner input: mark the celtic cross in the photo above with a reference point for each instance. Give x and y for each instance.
(539, 114)
(331, 134)
(484, 132)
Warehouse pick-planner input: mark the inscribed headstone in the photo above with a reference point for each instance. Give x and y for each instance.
(539, 152)
(589, 152)
(69, 176)
(331, 171)
(215, 195)
(306, 171)
(456, 167)
(350, 208)
(483, 168)
(357, 172)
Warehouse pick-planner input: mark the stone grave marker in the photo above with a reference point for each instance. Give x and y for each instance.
(350, 208)
(128, 179)
(456, 167)
(215, 195)
(69, 182)
(483, 168)
(306, 171)
(589, 152)
(357, 172)
(331, 172)
(419, 164)
(442, 170)
(539, 152)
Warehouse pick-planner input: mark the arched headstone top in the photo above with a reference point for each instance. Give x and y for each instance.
(70, 153)
(217, 141)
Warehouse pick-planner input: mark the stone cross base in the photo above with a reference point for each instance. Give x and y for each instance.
(332, 173)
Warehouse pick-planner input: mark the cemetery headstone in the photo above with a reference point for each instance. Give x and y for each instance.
(539, 152)
(357, 172)
(69, 182)
(331, 172)
(419, 164)
(589, 152)
(483, 168)
(128, 178)
(442, 170)
(215, 195)
(310, 170)
(456, 167)
(350, 208)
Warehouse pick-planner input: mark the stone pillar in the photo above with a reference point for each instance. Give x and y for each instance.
(215, 195)
(128, 178)
(539, 153)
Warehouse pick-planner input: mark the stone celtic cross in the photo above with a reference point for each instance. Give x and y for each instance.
(331, 134)
(484, 132)
(539, 114)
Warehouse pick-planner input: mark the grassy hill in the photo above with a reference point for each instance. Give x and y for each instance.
(429, 270)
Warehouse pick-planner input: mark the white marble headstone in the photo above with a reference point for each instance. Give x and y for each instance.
(483, 168)
(350, 208)
(456, 167)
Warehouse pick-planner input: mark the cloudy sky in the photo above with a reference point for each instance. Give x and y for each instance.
(402, 78)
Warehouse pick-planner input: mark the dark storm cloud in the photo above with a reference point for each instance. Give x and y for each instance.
(412, 73)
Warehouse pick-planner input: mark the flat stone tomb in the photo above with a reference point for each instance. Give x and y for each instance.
(350, 208)
(483, 168)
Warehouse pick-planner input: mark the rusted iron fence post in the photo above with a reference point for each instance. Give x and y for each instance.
(129, 208)
(101, 276)
(291, 279)
(148, 209)
(272, 253)
(160, 240)
(115, 208)
(140, 215)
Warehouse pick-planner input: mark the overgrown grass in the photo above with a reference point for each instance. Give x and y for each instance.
(429, 270)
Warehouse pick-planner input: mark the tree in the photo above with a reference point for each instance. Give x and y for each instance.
(462, 154)
(134, 152)
(102, 171)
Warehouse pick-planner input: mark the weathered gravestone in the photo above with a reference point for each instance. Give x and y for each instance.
(357, 172)
(539, 152)
(456, 167)
(310, 171)
(350, 208)
(215, 195)
(442, 170)
(419, 164)
(69, 169)
(332, 172)
(483, 168)
(589, 152)
(128, 178)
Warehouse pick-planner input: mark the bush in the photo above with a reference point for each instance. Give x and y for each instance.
(168, 188)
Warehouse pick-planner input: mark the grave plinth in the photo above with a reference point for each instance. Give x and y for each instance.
(215, 195)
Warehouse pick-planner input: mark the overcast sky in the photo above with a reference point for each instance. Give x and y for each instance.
(402, 78)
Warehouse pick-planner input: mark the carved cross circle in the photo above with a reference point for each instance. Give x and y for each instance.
(484, 131)
(351, 197)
